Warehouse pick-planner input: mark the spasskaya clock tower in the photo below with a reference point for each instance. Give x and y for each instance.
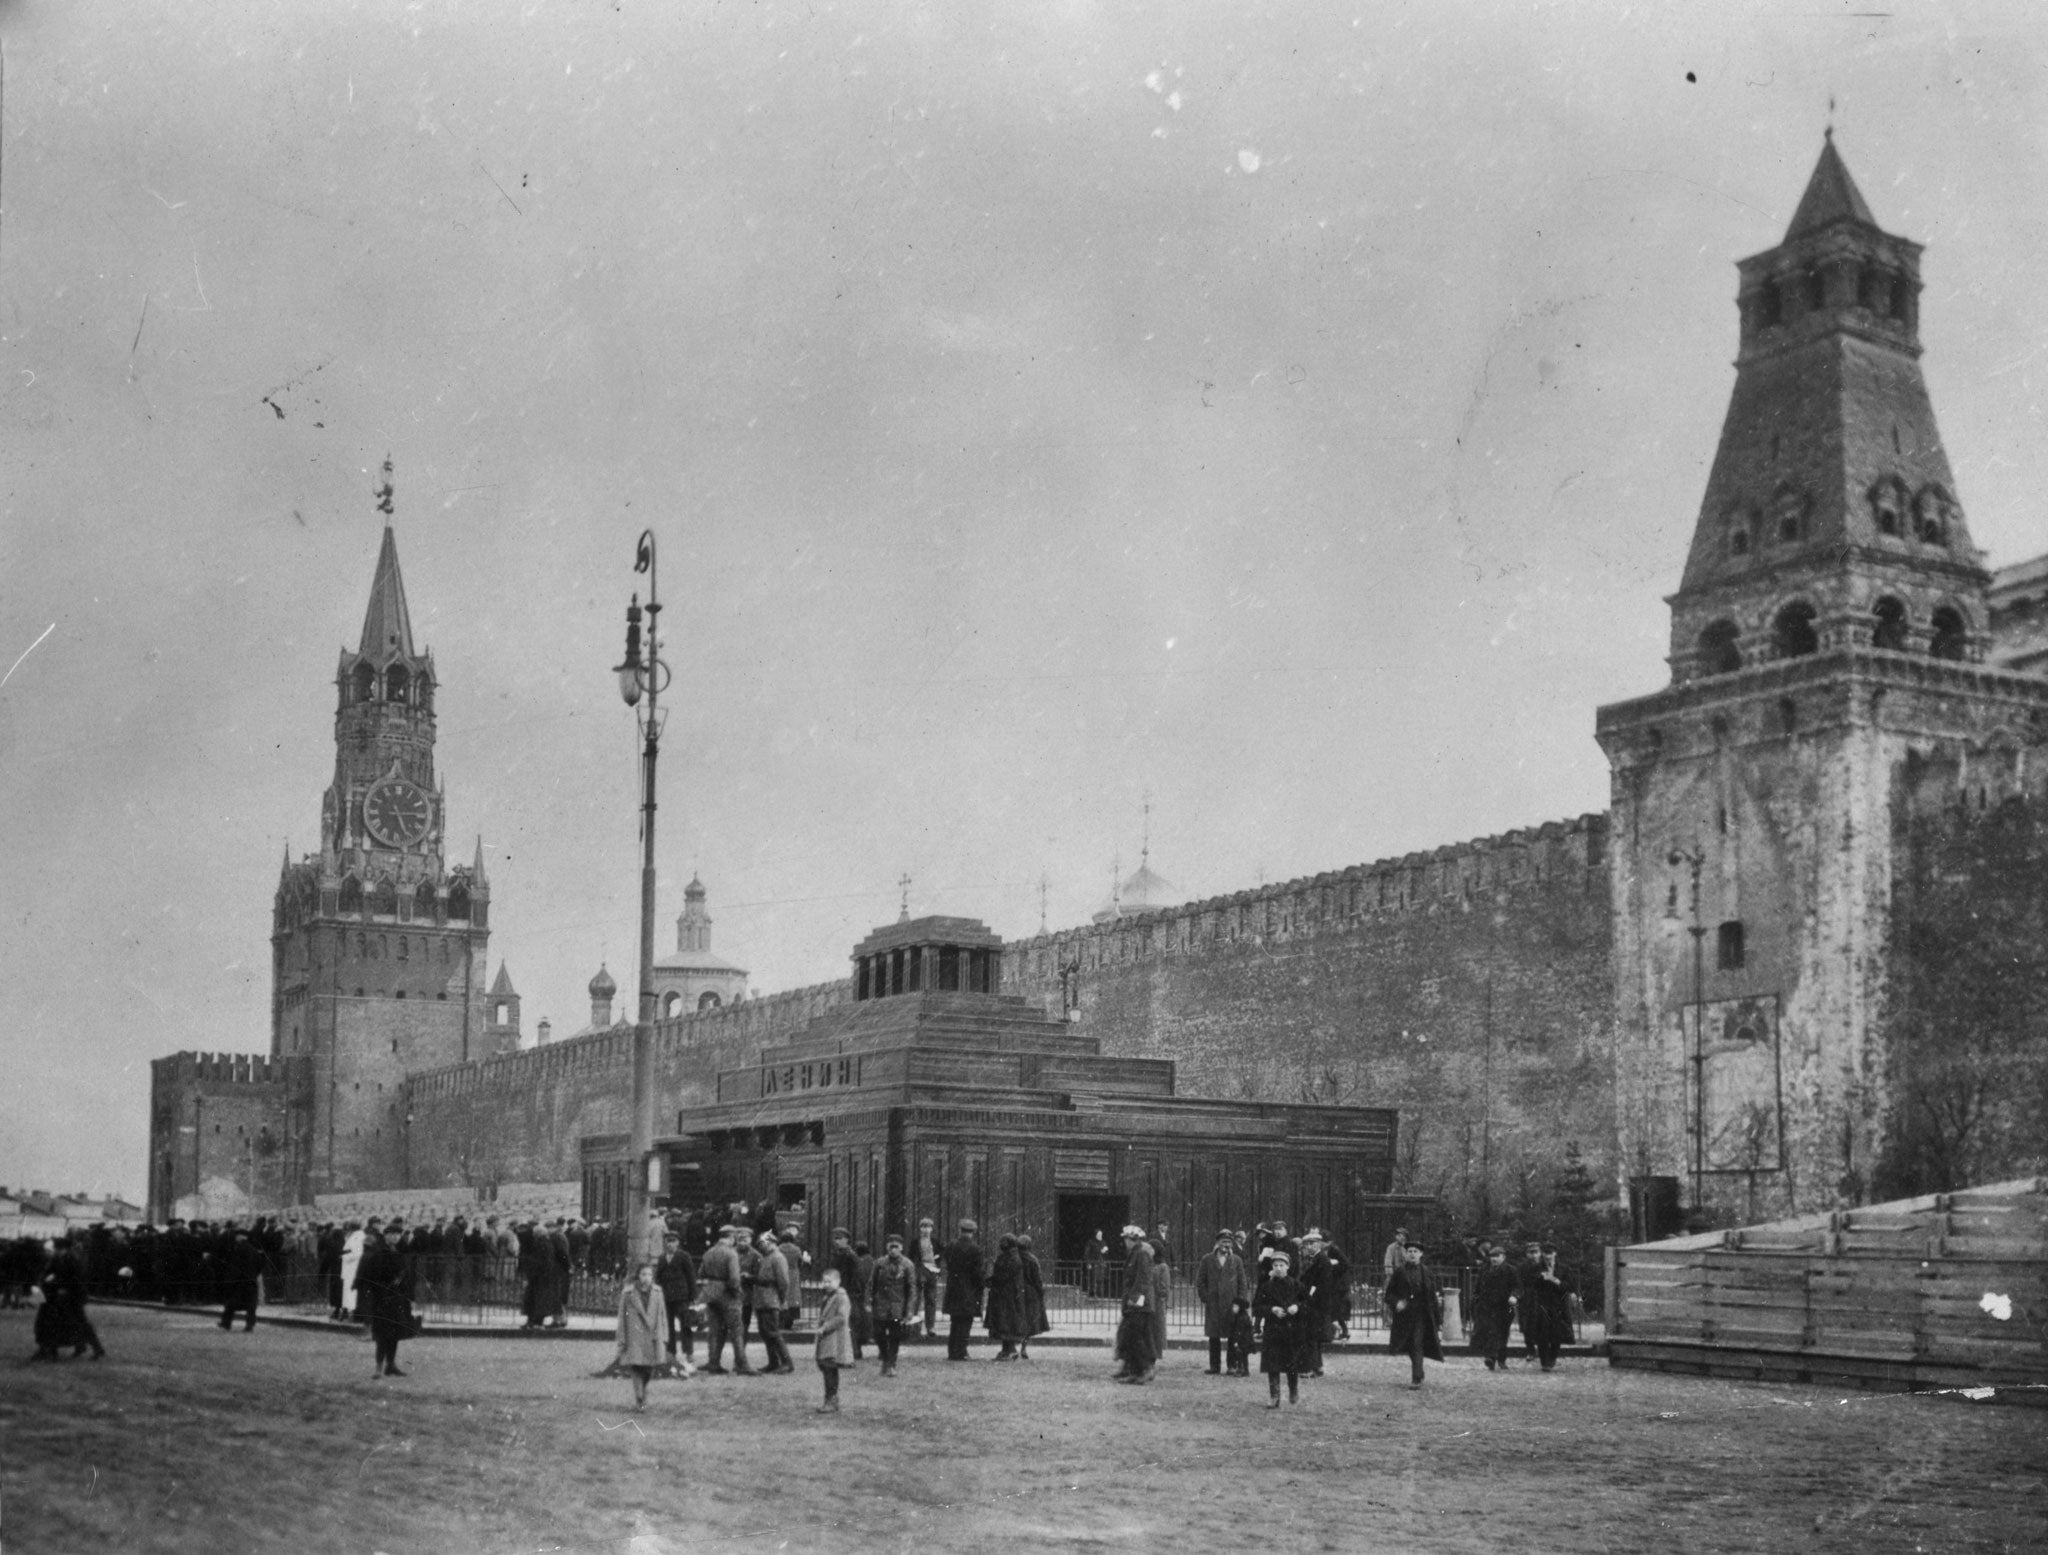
(378, 945)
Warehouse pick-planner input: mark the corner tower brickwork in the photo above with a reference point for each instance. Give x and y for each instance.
(1829, 628)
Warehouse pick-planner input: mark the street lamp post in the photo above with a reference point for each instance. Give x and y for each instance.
(1693, 859)
(643, 673)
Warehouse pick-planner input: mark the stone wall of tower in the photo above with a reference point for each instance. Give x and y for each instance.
(229, 1130)
(1469, 987)
(521, 1116)
(1787, 780)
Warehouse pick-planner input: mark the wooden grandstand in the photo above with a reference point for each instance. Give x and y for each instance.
(1946, 1291)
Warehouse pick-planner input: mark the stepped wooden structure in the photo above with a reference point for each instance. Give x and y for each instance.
(1946, 1291)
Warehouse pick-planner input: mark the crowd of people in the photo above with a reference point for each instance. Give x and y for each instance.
(736, 1275)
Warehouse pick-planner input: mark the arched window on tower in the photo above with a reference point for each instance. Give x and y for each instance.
(671, 1005)
(351, 894)
(1951, 638)
(1719, 654)
(1789, 507)
(1933, 509)
(423, 902)
(1816, 285)
(458, 900)
(1888, 503)
(1792, 633)
(423, 692)
(1739, 530)
(384, 899)
(1888, 626)
(365, 681)
(1901, 301)
(396, 683)
(708, 1000)
(1873, 293)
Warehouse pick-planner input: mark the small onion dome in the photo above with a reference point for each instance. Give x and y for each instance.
(602, 986)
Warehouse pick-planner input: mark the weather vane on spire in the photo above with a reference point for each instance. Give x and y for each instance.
(384, 489)
(1145, 845)
(1042, 884)
(904, 883)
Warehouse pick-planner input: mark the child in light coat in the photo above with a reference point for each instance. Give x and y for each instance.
(835, 1339)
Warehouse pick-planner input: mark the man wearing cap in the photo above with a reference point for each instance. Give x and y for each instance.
(1546, 1303)
(1415, 1313)
(724, 1304)
(891, 1290)
(1318, 1285)
(676, 1274)
(1395, 1256)
(1220, 1283)
(1135, 1355)
(966, 1282)
(774, 1289)
(925, 1253)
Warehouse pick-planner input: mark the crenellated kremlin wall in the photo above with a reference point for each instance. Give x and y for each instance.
(521, 1116)
(1470, 987)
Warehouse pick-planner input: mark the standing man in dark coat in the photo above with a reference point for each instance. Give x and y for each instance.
(1036, 1321)
(241, 1277)
(676, 1274)
(965, 1284)
(892, 1292)
(386, 1276)
(1008, 1320)
(724, 1304)
(775, 1291)
(1220, 1283)
(1134, 1353)
(1315, 1281)
(1494, 1298)
(1283, 1307)
(1548, 1299)
(1415, 1311)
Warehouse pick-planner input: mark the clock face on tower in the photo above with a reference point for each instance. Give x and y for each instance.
(397, 812)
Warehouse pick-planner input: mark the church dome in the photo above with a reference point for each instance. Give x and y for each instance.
(1143, 890)
(602, 986)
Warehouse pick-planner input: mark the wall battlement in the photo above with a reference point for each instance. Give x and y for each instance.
(1572, 851)
(226, 1068)
(773, 1015)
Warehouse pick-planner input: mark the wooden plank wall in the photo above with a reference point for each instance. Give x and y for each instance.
(1898, 1289)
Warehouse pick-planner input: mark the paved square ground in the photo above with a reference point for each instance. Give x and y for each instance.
(193, 1440)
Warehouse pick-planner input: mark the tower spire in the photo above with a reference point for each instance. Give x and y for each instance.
(387, 625)
(476, 870)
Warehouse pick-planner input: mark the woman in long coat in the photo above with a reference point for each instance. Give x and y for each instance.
(1035, 1320)
(1282, 1306)
(1007, 1319)
(1414, 1311)
(643, 1330)
(385, 1277)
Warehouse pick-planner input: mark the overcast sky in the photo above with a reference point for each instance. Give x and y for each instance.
(1295, 412)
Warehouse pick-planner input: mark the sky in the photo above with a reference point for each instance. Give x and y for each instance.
(1286, 416)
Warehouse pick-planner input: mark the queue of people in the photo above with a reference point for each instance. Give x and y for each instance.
(1259, 1291)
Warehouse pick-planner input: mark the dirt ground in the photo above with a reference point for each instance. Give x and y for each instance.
(193, 1440)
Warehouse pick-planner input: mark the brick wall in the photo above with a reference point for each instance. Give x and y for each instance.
(520, 1116)
(1470, 988)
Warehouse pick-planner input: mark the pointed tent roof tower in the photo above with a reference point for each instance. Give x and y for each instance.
(504, 983)
(387, 626)
(476, 869)
(1831, 195)
(1830, 517)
